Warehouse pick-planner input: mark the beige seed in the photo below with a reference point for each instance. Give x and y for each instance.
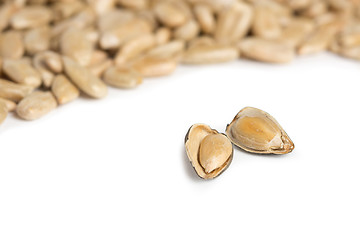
(83, 79)
(64, 90)
(295, 32)
(114, 19)
(30, 17)
(350, 40)
(10, 105)
(37, 40)
(319, 40)
(162, 35)
(13, 91)
(11, 45)
(6, 11)
(53, 61)
(36, 105)
(205, 18)
(134, 48)
(99, 68)
(216, 5)
(3, 112)
(233, 23)
(155, 67)
(172, 49)
(256, 131)
(85, 18)
(201, 41)
(298, 4)
(187, 31)
(352, 52)
(75, 45)
(99, 63)
(101, 6)
(209, 152)
(21, 71)
(266, 50)
(134, 4)
(214, 152)
(122, 78)
(209, 55)
(266, 23)
(46, 74)
(169, 14)
(149, 16)
(63, 10)
(350, 36)
(317, 8)
(116, 37)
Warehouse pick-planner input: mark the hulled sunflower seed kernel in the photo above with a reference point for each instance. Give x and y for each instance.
(13, 91)
(205, 18)
(63, 90)
(210, 54)
(11, 45)
(266, 50)
(10, 105)
(84, 79)
(21, 71)
(37, 40)
(169, 14)
(75, 45)
(3, 112)
(122, 78)
(30, 17)
(149, 66)
(134, 48)
(36, 105)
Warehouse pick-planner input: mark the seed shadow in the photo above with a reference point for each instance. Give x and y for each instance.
(189, 170)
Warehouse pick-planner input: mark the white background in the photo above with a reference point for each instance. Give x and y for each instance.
(117, 169)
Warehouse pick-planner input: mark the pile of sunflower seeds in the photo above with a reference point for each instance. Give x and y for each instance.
(51, 51)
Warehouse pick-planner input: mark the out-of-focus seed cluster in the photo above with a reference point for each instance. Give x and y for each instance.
(51, 51)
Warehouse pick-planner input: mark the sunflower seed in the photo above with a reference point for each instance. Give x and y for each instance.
(117, 36)
(30, 17)
(134, 48)
(169, 50)
(266, 23)
(83, 79)
(11, 45)
(21, 71)
(155, 67)
(162, 36)
(169, 14)
(64, 90)
(37, 40)
(134, 4)
(122, 78)
(75, 45)
(3, 112)
(187, 31)
(13, 91)
(266, 50)
(233, 23)
(205, 17)
(209, 54)
(10, 105)
(36, 105)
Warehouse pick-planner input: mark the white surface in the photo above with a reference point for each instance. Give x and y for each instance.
(116, 168)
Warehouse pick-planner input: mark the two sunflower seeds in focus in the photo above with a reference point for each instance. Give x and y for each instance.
(252, 130)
